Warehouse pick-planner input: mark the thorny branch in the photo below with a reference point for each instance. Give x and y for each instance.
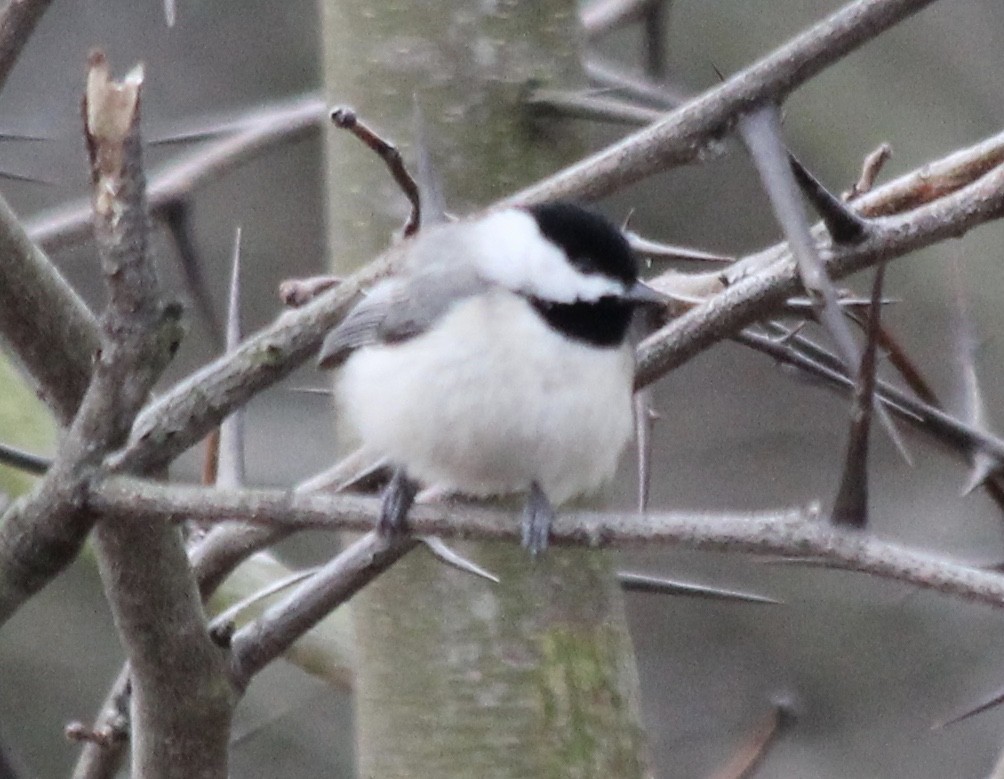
(688, 133)
(758, 284)
(183, 416)
(792, 532)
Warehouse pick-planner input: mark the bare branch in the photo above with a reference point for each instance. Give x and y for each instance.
(181, 704)
(870, 170)
(41, 534)
(754, 295)
(794, 350)
(180, 417)
(28, 462)
(257, 644)
(346, 119)
(685, 135)
(790, 533)
(761, 132)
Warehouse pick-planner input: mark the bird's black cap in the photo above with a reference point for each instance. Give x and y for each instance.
(591, 241)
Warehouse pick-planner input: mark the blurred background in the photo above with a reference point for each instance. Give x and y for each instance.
(870, 665)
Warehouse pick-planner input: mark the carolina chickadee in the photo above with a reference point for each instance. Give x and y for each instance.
(497, 362)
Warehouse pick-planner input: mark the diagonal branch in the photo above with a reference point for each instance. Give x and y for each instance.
(260, 642)
(685, 134)
(754, 296)
(181, 417)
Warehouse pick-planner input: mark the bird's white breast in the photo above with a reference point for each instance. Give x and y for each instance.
(491, 399)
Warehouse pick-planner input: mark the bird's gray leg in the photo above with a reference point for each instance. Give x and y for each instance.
(397, 499)
(538, 514)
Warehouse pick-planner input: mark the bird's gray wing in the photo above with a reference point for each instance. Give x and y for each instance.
(398, 309)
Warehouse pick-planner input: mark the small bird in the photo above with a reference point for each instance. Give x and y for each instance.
(498, 361)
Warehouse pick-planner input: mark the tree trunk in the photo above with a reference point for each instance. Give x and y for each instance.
(456, 676)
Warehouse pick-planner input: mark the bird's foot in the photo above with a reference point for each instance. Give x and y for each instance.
(538, 514)
(397, 499)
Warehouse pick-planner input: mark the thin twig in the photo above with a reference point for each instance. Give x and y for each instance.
(100, 758)
(754, 294)
(636, 582)
(870, 170)
(41, 534)
(935, 180)
(609, 76)
(29, 462)
(655, 24)
(346, 119)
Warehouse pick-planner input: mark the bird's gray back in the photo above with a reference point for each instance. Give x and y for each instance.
(404, 306)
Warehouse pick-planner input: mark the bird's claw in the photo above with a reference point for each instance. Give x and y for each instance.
(538, 515)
